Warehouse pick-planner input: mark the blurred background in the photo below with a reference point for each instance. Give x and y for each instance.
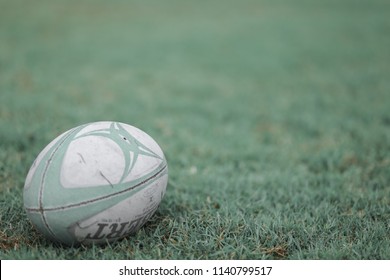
(256, 68)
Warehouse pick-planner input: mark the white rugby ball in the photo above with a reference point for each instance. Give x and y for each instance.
(95, 183)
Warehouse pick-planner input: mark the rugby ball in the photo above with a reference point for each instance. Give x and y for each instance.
(95, 183)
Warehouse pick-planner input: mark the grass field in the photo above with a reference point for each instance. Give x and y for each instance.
(274, 117)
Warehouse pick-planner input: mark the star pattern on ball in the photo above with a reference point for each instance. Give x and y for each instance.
(130, 146)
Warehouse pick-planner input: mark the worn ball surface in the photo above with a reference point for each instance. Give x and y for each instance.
(95, 183)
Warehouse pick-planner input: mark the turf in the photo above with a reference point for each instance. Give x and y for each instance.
(274, 117)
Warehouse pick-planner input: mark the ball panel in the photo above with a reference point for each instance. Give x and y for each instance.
(75, 224)
(123, 218)
(43, 154)
(33, 186)
(91, 162)
(93, 127)
(144, 164)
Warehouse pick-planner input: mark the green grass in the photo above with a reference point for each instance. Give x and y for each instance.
(274, 117)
